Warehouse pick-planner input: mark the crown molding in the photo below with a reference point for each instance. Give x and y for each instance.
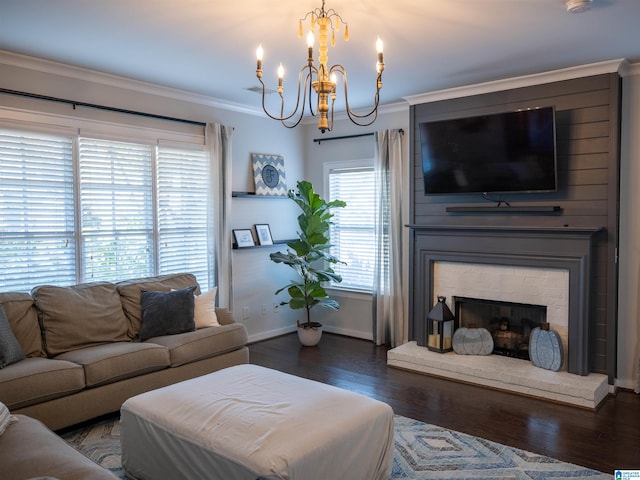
(78, 73)
(630, 69)
(610, 66)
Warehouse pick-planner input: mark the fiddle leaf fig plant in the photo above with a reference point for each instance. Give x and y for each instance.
(309, 255)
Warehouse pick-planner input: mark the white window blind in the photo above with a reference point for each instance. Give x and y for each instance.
(352, 232)
(116, 209)
(183, 186)
(37, 243)
(77, 209)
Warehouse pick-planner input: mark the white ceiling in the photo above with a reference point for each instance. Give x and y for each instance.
(208, 46)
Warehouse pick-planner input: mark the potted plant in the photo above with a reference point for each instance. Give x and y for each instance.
(309, 257)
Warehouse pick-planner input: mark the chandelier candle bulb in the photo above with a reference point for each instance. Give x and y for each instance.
(379, 46)
(310, 40)
(259, 55)
(280, 77)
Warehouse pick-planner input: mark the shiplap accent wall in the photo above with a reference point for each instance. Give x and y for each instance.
(587, 131)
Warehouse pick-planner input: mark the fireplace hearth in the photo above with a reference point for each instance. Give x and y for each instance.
(503, 373)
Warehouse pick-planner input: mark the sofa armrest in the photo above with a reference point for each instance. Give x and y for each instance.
(28, 449)
(225, 317)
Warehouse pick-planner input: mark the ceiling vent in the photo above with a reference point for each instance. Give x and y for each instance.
(578, 6)
(258, 89)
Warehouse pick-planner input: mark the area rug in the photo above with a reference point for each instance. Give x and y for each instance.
(422, 451)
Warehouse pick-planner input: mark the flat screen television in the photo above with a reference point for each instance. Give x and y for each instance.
(498, 153)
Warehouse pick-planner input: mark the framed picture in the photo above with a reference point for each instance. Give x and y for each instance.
(268, 174)
(243, 238)
(263, 232)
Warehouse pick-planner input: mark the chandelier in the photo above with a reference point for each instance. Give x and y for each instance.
(320, 78)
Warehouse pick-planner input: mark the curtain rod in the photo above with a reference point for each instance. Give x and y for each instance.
(75, 104)
(319, 140)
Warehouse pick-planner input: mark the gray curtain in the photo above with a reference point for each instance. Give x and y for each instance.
(219, 143)
(389, 316)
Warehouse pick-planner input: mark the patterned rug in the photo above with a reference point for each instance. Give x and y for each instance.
(422, 451)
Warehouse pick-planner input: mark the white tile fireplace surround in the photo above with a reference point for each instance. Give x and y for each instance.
(547, 267)
(548, 287)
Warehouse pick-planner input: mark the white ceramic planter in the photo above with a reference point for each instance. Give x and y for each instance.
(310, 337)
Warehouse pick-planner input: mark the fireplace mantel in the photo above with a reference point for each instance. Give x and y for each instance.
(569, 248)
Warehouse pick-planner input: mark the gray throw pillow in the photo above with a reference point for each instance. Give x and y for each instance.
(10, 349)
(167, 313)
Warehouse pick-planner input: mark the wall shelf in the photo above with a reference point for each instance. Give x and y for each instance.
(507, 210)
(253, 195)
(275, 244)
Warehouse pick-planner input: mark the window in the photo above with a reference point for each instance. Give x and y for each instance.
(352, 232)
(121, 210)
(183, 213)
(116, 210)
(37, 225)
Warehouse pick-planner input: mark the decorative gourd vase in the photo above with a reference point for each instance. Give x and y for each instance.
(472, 341)
(545, 348)
(310, 336)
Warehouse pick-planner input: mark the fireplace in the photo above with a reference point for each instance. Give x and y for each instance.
(552, 249)
(561, 259)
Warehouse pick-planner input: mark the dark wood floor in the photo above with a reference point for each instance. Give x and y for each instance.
(604, 440)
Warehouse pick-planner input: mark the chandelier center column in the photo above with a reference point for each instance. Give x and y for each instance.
(323, 38)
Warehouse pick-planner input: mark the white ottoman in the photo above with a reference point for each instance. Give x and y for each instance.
(250, 422)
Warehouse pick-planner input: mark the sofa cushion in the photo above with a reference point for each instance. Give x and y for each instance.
(167, 313)
(10, 349)
(23, 318)
(203, 343)
(80, 316)
(131, 290)
(35, 380)
(204, 312)
(111, 362)
(28, 449)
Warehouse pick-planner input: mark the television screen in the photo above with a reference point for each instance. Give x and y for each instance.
(497, 153)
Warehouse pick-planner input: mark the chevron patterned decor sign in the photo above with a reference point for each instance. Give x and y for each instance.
(268, 174)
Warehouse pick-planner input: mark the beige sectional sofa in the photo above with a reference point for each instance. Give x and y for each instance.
(83, 354)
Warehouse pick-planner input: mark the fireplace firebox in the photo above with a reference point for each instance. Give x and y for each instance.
(510, 324)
